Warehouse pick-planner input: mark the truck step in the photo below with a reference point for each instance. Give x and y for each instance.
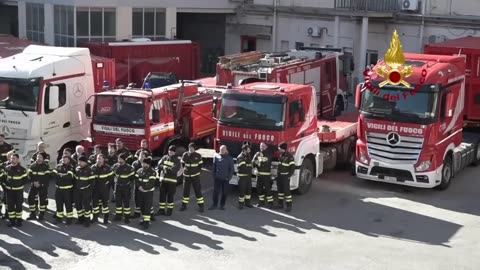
(463, 156)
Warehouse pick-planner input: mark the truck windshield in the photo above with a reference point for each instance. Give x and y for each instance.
(119, 110)
(19, 94)
(398, 103)
(245, 110)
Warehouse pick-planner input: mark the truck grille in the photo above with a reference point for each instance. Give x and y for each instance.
(131, 142)
(405, 152)
(235, 148)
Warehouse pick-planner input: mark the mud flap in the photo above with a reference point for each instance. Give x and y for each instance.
(319, 165)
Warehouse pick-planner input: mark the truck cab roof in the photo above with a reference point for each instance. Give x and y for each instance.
(273, 89)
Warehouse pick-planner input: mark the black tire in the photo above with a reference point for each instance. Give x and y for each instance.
(476, 157)
(306, 177)
(447, 173)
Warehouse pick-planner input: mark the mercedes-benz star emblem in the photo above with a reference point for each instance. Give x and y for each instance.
(5, 131)
(393, 138)
(78, 90)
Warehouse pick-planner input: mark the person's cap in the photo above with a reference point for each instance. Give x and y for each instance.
(123, 156)
(147, 160)
(247, 143)
(283, 146)
(83, 158)
(191, 145)
(172, 148)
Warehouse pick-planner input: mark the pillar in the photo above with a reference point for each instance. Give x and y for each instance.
(336, 32)
(22, 19)
(363, 49)
(171, 22)
(49, 29)
(124, 23)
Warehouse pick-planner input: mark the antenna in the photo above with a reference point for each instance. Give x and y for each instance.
(54, 74)
(459, 52)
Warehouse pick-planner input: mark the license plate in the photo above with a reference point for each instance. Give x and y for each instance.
(389, 178)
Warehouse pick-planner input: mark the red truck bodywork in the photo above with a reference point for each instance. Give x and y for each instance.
(134, 60)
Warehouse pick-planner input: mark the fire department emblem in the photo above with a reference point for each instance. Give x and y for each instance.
(395, 70)
(5, 131)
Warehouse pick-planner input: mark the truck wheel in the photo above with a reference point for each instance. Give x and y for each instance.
(476, 159)
(306, 177)
(351, 163)
(446, 173)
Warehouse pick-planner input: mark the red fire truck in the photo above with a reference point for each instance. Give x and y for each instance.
(275, 113)
(171, 115)
(411, 130)
(322, 68)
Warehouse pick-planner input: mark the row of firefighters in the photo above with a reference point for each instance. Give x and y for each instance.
(84, 183)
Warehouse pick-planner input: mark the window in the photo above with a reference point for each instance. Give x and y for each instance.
(63, 28)
(95, 24)
(35, 22)
(296, 112)
(299, 45)
(148, 23)
(62, 97)
(372, 58)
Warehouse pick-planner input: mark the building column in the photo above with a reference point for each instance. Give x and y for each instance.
(363, 49)
(48, 29)
(124, 23)
(336, 32)
(171, 23)
(22, 19)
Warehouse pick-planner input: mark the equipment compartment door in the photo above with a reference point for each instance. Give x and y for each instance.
(163, 130)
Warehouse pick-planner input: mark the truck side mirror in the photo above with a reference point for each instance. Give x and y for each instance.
(156, 116)
(53, 97)
(358, 96)
(88, 110)
(214, 108)
(450, 105)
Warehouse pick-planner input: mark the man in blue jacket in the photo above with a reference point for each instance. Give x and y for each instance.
(222, 173)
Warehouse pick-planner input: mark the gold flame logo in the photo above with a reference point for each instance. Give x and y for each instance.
(395, 71)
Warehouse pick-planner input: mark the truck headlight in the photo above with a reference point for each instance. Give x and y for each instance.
(363, 157)
(425, 165)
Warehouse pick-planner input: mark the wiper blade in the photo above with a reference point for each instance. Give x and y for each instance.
(24, 113)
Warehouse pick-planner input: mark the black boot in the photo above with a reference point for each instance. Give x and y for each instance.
(169, 212)
(127, 219)
(80, 220)
(270, 205)
(86, 222)
(248, 204)
(105, 219)
(201, 208)
(57, 220)
(41, 215)
(32, 216)
(240, 205)
(95, 218)
(152, 218)
(279, 204)
(117, 217)
(141, 222)
(161, 212)
(261, 204)
(11, 222)
(289, 207)
(183, 208)
(69, 221)
(19, 222)
(145, 225)
(136, 215)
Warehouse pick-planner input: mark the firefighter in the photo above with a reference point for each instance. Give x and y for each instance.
(124, 178)
(40, 149)
(101, 191)
(123, 149)
(79, 151)
(64, 180)
(17, 177)
(244, 166)
(286, 168)
(262, 161)
(97, 150)
(39, 174)
(192, 162)
(143, 148)
(146, 178)
(137, 165)
(68, 152)
(111, 159)
(84, 183)
(4, 149)
(168, 169)
(2, 183)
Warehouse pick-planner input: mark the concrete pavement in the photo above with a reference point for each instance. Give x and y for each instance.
(342, 223)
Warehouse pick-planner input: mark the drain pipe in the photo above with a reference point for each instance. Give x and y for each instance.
(422, 26)
(274, 27)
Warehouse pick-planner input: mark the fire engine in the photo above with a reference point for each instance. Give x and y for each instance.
(410, 131)
(42, 95)
(322, 68)
(173, 115)
(277, 112)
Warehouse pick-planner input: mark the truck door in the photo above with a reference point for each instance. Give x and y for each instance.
(329, 89)
(164, 128)
(56, 123)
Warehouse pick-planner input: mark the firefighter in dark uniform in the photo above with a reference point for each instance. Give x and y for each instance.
(101, 191)
(4, 149)
(17, 177)
(64, 180)
(122, 149)
(244, 166)
(286, 168)
(143, 148)
(111, 159)
(262, 161)
(68, 152)
(92, 159)
(2, 183)
(192, 163)
(84, 183)
(168, 169)
(137, 165)
(124, 179)
(39, 174)
(146, 178)
(79, 151)
(41, 149)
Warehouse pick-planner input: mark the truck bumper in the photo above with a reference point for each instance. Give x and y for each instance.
(398, 174)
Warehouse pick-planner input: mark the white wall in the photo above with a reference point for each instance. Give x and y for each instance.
(454, 7)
